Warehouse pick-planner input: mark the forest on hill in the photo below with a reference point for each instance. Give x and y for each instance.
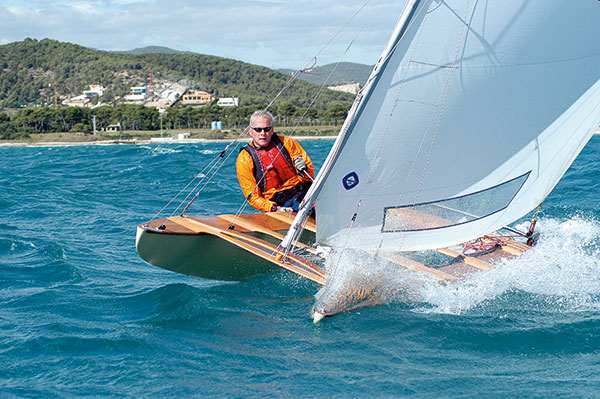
(33, 120)
(31, 70)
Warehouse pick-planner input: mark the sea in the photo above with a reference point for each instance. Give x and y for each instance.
(82, 315)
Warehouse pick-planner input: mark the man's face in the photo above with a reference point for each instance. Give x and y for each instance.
(262, 138)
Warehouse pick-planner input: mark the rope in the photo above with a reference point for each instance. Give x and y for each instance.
(384, 133)
(217, 163)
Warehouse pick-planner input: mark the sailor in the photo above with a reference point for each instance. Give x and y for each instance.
(274, 172)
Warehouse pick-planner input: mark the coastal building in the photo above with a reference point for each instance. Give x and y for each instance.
(352, 88)
(197, 97)
(95, 90)
(78, 101)
(137, 94)
(228, 102)
(166, 94)
(85, 99)
(114, 128)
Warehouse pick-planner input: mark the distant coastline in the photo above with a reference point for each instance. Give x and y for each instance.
(142, 141)
(157, 140)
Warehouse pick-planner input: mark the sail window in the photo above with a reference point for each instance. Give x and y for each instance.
(453, 211)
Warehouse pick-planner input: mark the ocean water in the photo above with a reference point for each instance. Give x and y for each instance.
(81, 315)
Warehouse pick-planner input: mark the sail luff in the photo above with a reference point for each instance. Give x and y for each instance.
(401, 27)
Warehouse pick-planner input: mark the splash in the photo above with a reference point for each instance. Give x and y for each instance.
(562, 271)
(357, 279)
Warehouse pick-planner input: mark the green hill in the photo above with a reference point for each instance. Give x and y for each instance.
(30, 70)
(346, 72)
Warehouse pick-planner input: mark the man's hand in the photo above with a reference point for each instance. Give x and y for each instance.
(300, 164)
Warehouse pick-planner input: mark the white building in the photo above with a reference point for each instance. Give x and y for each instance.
(95, 90)
(228, 102)
(79, 101)
(137, 94)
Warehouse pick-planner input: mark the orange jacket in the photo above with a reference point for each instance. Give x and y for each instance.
(245, 172)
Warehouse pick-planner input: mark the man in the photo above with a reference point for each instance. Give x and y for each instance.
(274, 172)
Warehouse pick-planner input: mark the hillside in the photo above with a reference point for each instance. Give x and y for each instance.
(31, 69)
(346, 72)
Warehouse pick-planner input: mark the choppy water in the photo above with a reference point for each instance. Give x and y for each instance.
(82, 315)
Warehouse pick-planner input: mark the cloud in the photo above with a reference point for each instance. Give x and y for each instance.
(272, 33)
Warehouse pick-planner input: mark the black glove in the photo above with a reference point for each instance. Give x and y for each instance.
(300, 164)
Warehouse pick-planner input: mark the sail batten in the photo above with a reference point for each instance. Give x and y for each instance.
(495, 100)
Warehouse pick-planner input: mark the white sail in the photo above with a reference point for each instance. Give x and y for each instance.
(472, 120)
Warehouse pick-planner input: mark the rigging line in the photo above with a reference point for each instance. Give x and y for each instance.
(383, 135)
(200, 175)
(344, 26)
(285, 87)
(298, 232)
(444, 95)
(194, 189)
(214, 172)
(313, 100)
(296, 73)
(324, 38)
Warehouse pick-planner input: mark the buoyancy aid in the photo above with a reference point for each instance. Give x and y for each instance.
(272, 164)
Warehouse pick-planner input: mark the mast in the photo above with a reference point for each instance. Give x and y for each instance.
(408, 15)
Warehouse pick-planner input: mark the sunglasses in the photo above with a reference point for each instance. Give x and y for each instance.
(260, 129)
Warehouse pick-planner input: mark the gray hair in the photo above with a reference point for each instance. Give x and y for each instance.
(263, 113)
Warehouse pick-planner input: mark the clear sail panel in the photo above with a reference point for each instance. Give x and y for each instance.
(449, 212)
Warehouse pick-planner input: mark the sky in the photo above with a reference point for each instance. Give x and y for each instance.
(273, 33)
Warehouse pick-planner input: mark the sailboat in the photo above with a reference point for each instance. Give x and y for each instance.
(470, 117)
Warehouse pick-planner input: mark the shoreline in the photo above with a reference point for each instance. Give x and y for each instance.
(143, 141)
(155, 141)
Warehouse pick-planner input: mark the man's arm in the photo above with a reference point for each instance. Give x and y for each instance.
(296, 150)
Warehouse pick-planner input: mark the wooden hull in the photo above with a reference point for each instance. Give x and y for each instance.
(208, 247)
(200, 255)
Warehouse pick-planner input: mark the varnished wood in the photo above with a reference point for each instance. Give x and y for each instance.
(258, 247)
(418, 266)
(469, 260)
(289, 218)
(251, 225)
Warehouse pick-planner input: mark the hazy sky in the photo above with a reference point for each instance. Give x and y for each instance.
(274, 33)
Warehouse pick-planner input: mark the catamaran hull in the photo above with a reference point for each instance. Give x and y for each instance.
(223, 247)
(200, 255)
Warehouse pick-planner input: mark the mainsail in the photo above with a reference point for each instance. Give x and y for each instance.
(470, 118)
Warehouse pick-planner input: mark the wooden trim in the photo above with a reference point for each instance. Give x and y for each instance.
(288, 217)
(509, 245)
(418, 266)
(261, 248)
(469, 260)
(253, 226)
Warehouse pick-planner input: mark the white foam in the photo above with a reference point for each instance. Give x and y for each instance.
(164, 150)
(563, 270)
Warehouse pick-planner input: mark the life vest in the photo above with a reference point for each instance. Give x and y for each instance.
(272, 164)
